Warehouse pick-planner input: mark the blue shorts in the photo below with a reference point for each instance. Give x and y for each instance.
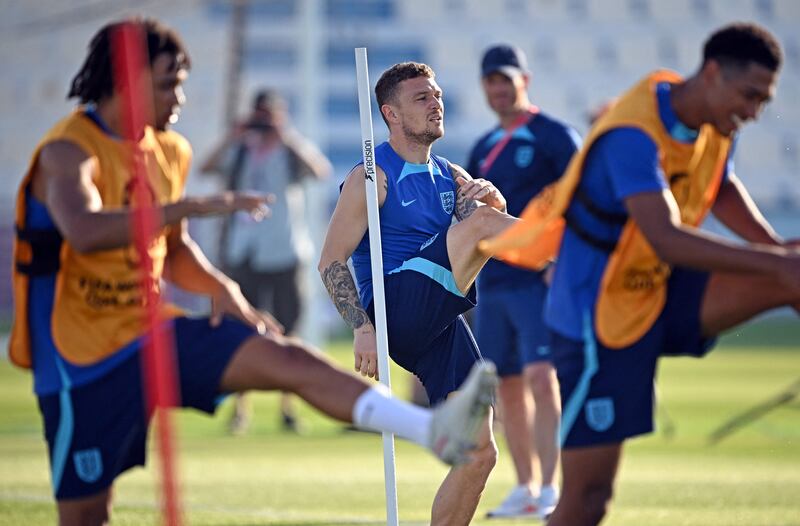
(607, 394)
(427, 334)
(510, 328)
(98, 430)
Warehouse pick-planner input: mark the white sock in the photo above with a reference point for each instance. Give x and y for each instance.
(377, 410)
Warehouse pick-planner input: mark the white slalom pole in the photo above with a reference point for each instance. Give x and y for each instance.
(376, 257)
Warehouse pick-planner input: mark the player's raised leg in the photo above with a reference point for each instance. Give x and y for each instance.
(476, 223)
(451, 430)
(732, 299)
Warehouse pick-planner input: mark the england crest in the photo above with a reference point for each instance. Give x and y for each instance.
(600, 413)
(523, 156)
(448, 200)
(88, 464)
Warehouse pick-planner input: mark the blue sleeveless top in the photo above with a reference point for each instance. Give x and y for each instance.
(420, 202)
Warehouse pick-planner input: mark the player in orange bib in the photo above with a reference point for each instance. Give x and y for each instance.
(635, 278)
(78, 298)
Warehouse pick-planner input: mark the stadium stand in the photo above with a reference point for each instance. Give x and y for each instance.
(581, 53)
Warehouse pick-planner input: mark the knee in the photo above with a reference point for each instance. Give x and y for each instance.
(293, 350)
(295, 355)
(483, 222)
(543, 382)
(484, 459)
(100, 516)
(96, 513)
(596, 500)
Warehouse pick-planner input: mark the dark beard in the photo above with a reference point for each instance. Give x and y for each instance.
(425, 138)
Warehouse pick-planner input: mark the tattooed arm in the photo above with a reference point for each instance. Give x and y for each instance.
(342, 290)
(348, 225)
(473, 193)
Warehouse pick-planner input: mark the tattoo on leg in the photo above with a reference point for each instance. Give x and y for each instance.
(342, 290)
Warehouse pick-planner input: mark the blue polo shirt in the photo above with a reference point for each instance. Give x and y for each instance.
(536, 155)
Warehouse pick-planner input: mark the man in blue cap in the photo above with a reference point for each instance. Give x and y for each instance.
(523, 153)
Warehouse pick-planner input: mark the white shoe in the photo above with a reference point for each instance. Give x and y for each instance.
(547, 501)
(457, 421)
(519, 503)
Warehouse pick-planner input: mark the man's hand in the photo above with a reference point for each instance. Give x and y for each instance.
(365, 351)
(229, 300)
(481, 190)
(253, 203)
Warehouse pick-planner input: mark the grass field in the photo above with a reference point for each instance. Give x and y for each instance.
(333, 477)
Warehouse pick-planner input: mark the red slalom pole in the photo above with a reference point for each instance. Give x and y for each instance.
(158, 358)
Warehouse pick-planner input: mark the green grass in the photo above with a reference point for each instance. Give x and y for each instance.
(332, 477)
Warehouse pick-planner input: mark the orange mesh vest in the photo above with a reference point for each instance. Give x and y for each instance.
(98, 297)
(633, 290)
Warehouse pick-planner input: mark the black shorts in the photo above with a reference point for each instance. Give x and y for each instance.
(96, 431)
(427, 332)
(607, 394)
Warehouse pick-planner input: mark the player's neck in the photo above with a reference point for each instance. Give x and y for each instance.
(410, 151)
(687, 102)
(110, 113)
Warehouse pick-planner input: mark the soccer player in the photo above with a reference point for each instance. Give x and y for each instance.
(525, 152)
(429, 266)
(635, 278)
(78, 297)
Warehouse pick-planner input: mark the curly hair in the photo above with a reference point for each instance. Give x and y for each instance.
(386, 88)
(741, 43)
(95, 80)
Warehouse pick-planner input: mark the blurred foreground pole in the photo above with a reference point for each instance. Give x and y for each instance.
(129, 56)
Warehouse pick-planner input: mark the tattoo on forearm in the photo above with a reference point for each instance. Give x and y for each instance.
(464, 207)
(342, 290)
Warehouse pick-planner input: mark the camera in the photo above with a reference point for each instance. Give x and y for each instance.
(260, 126)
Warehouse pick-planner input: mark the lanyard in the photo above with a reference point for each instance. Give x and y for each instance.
(491, 157)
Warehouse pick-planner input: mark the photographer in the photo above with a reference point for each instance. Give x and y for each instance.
(263, 153)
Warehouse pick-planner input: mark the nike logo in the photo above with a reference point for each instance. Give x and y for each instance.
(406, 203)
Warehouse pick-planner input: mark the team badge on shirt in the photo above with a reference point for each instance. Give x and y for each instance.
(448, 200)
(523, 156)
(600, 413)
(88, 464)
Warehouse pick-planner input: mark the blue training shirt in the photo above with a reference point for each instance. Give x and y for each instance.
(536, 155)
(621, 163)
(420, 201)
